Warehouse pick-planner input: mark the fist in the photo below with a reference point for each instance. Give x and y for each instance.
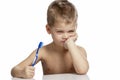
(70, 40)
(29, 72)
(73, 37)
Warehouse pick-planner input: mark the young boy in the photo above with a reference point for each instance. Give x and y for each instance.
(62, 55)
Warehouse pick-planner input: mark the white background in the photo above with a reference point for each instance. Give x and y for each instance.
(22, 27)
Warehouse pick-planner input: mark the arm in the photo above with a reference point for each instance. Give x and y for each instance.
(78, 54)
(24, 69)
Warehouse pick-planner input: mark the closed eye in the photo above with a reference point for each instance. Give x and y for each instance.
(71, 31)
(59, 31)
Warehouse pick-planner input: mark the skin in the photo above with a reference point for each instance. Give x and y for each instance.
(60, 56)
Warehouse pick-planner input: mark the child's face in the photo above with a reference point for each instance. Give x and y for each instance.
(61, 32)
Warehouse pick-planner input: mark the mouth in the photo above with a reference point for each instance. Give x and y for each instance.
(63, 42)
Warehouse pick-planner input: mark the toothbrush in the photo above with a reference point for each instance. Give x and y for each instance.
(36, 56)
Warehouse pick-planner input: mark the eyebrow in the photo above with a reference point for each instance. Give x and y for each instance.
(62, 28)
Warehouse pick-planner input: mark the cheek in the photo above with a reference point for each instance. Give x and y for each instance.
(56, 37)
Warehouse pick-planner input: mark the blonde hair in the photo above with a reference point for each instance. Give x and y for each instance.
(61, 9)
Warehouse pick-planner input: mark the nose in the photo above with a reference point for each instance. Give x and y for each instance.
(65, 36)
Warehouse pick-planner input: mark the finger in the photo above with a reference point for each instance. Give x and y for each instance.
(73, 35)
(31, 76)
(32, 68)
(32, 71)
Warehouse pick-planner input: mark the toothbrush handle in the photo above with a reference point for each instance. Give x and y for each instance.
(36, 57)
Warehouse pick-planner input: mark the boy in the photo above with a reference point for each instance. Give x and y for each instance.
(62, 55)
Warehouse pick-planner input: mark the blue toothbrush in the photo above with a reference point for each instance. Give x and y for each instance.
(36, 56)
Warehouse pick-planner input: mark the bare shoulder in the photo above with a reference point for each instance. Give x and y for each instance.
(43, 52)
(82, 50)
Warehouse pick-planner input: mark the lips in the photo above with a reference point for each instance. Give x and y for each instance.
(63, 41)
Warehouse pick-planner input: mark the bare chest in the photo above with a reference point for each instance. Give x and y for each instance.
(58, 64)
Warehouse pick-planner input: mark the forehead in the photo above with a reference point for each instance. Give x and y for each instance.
(63, 25)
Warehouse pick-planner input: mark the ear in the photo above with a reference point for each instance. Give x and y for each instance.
(48, 29)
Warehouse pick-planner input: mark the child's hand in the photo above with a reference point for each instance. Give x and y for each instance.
(73, 37)
(29, 72)
(70, 40)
